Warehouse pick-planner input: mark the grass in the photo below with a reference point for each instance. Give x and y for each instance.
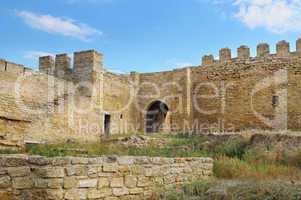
(234, 168)
(249, 190)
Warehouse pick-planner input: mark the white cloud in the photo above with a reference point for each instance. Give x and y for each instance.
(277, 16)
(33, 55)
(59, 26)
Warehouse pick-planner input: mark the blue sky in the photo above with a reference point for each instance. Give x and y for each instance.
(143, 35)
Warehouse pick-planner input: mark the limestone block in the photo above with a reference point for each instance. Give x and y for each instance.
(110, 167)
(87, 183)
(94, 194)
(55, 194)
(106, 192)
(38, 160)
(13, 161)
(98, 160)
(130, 181)
(55, 183)
(23, 183)
(125, 160)
(92, 171)
(40, 183)
(5, 182)
(117, 182)
(50, 172)
(76, 194)
(18, 171)
(79, 170)
(60, 161)
(148, 171)
(136, 190)
(103, 182)
(143, 181)
(79, 160)
(70, 182)
(124, 168)
(120, 191)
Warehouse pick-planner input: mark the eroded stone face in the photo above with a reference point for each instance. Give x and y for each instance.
(109, 181)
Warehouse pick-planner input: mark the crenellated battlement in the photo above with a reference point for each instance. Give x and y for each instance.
(262, 51)
(84, 64)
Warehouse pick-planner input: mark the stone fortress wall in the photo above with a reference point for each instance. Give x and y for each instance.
(106, 178)
(75, 102)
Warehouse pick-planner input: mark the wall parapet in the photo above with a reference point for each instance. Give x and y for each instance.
(13, 68)
(95, 178)
(262, 51)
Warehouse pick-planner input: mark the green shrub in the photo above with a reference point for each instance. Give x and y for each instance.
(235, 148)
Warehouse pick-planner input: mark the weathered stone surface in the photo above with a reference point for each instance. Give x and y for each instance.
(87, 183)
(135, 190)
(130, 181)
(55, 183)
(143, 181)
(40, 183)
(76, 194)
(18, 171)
(94, 194)
(5, 181)
(50, 172)
(55, 194)
(103, 182)
(75, 161)
(77, 170)
(70, 182)
(117, 182)
(23, 183)
(106, 192)
(120, 191)
(110, 167)
(38, 160)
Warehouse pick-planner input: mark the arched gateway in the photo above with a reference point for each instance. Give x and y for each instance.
(155, 116)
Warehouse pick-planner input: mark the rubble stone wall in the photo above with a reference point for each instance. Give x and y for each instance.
(103, 178)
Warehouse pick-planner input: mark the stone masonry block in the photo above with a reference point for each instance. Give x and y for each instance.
(23, 183)
(18, 171)
(103, 182)
(130, 181)
(5, 182)
(110, 167)
(87, 183)
(117, 182)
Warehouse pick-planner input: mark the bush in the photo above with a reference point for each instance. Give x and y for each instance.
(230, 168)
(266, 191)
(235, 148)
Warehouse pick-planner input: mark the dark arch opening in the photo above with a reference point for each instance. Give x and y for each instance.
(155, 116)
